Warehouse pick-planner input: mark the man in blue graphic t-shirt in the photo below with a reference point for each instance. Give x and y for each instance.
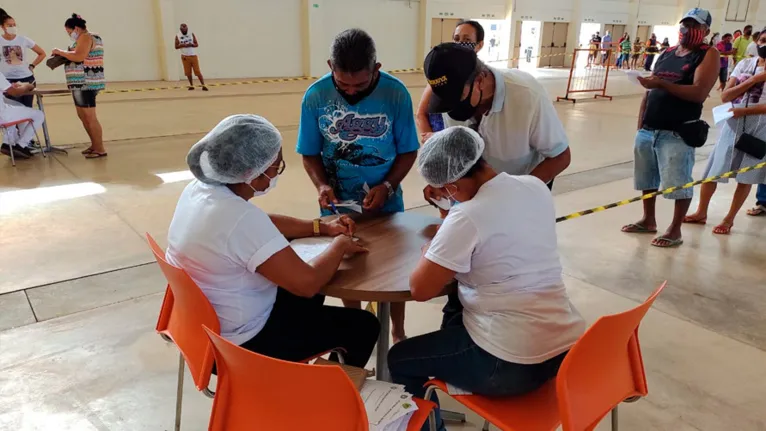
(357, 127)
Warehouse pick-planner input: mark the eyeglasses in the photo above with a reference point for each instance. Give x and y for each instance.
(280, 167)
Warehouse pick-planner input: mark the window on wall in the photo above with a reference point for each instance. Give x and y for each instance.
(736, 10)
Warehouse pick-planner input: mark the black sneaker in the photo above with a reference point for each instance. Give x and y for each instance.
(18, 152)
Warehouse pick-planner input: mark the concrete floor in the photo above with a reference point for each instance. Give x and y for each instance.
(79, 294)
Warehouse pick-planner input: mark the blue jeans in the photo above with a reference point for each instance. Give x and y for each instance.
(662, 159)
(760, 195)
(452, 356)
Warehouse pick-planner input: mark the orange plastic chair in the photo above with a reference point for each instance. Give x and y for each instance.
(5, 126)
(257, 392)
(184, 311)
(603, 369)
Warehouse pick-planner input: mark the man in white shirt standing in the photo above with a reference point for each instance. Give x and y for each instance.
(17, 138)
(187, 43)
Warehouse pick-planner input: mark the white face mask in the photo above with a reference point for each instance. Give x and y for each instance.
(272, 184)
(74, 35)
(11, 30)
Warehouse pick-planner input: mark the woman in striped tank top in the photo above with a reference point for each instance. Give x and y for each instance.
(85, 77)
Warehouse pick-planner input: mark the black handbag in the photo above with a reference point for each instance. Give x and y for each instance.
(694, 133)
(55, 61)
(748, 143)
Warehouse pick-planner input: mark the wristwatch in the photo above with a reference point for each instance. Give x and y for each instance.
(389, 187)
(316, 227)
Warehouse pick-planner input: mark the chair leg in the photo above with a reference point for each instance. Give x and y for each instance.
(615, 420)
(179, 391)
(431, 416)
(39, 142)
(486, 426)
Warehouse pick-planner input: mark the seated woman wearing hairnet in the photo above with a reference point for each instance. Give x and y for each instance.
(499, 242)
(266, 298)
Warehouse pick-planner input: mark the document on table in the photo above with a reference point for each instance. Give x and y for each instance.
(722, 112)
(386, 403)
(309, 248)
(633, 76)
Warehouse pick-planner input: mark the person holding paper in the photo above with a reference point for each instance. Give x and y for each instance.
(680, 84)
(745, 91)
(357, 136)
(499, 241)
(266, 298)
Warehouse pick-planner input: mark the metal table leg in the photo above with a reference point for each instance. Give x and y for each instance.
(381, 367)
(48, 147)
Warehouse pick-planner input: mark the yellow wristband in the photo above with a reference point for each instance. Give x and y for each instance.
(316, 227)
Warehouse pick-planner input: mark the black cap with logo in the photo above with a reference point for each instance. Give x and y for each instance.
(448, 67)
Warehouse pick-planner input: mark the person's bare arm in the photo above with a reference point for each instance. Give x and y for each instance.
(293, 228)
(290, 272)
(422, 119)
(734, 90)
(40, 55)
(378, 195)
(81, 51)
(550, 168)
(641, 111)
(178, 43)
(704, 79)
(315, 169)
(20, 89)
(195, 44)
(429, 279)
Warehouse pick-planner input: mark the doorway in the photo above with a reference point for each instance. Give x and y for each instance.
(442, 30)
(587, 31)
(554, 44)
(497, 36)
(529, 44)
(643, 33)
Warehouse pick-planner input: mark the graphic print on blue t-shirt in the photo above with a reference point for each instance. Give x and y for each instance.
(358, 143)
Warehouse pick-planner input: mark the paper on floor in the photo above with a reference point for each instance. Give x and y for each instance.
(722, 112)
(309, 248)
(385, 403)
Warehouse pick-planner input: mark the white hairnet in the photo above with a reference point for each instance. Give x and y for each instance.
(448, 155)
(237, 150)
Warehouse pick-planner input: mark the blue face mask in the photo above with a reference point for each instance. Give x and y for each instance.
(451, 197)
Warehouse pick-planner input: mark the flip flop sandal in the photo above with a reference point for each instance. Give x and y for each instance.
(86, 151)
(723, 229)
(688, 220)
(637, 228)
(94, 155)
(757, 211)
(670, 242)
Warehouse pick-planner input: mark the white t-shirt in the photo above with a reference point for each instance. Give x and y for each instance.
(184, 39)
(220, 239)
(522, 127)
(502, 245)
(14, 63)
(752, 50)
(743, 71)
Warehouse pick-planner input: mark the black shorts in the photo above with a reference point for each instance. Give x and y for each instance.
(723, 74)
(84, 98)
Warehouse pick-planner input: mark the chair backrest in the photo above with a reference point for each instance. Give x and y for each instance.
(184, 310)
(256, 392)
(602, 369)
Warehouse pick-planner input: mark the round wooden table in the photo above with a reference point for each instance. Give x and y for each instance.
(382, 275)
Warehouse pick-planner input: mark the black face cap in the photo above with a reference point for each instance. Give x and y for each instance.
(448, 67)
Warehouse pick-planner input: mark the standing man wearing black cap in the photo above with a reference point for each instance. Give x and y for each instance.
(511, 111)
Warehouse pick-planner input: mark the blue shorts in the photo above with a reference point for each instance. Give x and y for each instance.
(662, 160)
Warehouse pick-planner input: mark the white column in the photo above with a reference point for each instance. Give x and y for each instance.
(165, 30)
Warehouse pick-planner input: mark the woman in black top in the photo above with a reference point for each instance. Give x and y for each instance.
(680, 83)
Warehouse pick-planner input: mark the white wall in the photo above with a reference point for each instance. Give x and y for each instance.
(241, 38)
(127, 28)
(393, 24)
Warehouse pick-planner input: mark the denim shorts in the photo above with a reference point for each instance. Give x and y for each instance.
(662, 160)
